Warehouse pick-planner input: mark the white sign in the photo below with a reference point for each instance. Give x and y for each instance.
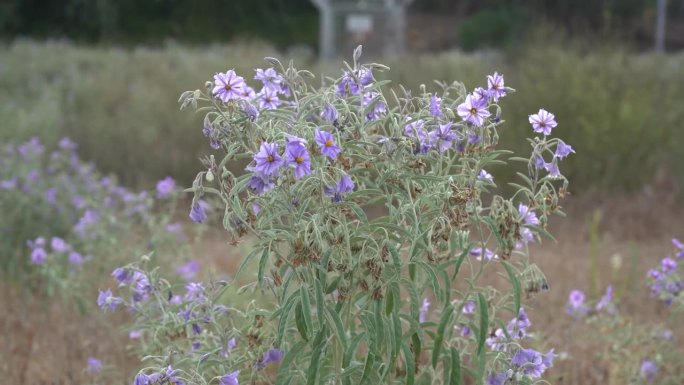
(359, 23)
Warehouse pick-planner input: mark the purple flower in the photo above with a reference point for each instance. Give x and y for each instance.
(188, 270)
(75, 258)
(668, 265)
(58, 245)
(488, 254)
(422, 314)
(165, 187)
(268, 99)
(297, 155)
(530, 362)
(606, 301)
(548, 358)
(517, 327)
(230, 345)
(543, 122)
(442, 137)
(228, 86)
(473, 111)
(274, 355)
(484, 175)
(365, 76)
(269, 78)
(326, 142)
(563, 150)
(248, 93)
(94, 365)
(261, 184)
(142, 379)
(194, 291)
(230, 379)
(251, 111)
(8, 184)
(495, 86)
(67, 144)
(528, 216)
(497, 378)
(267, 159)
(435, 104)
(575, 301)
(329, 113)
(469, 307)
(51, 196)
(648, 370)
(347, 85)
(135, 334)
(481, 96)
(345, 185)
(105, 300)
(38, 256)
(123, 275)
(197, 213)
(378, 108)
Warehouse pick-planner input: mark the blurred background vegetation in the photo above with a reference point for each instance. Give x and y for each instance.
(108, 74)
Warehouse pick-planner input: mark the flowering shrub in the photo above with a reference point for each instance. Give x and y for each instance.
(373, 225)
(61, 214)
(658, 355)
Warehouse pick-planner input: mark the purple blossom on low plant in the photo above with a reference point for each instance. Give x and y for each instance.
(442, 137)
(422, 313)
(473, 111)
(576, 302)
(188, 270)
(248, 93)
(326, 142)
(679, 246)
(469, 307)
(75, 258)
(329, 113)
(379, 106)
(105, 300)
(38, 256)
(261, 184)
(530, 362)
(194, 291)
(123, 275)
(479, 253)
(484, 175)
(274, 355)
(94, 365)
(228, 86)
(344, 186)
(563, 150)
(8, 184)
(347, 85)
(297, 155)
(165, 187)
(497, 378)
(269, 78)
(267, 159)
(668, 265)
(197, 213)
(543, 122)
(481, 96)
(517, 327)
(435, 105)
(495, 86)
(365, 76)
(268, 99)
(648, 370)
(59, 245)
(230, 379)
(67, 144)
(606, 301)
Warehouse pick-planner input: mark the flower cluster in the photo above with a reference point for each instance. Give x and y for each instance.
(667, 282)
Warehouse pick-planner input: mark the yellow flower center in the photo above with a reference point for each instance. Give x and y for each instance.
(299, 159)
(228, 87)
(270, 159)
(473, 111)
(542, 123)
(267, 99)
(328, 143)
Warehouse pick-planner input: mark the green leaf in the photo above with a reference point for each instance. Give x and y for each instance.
(515, 282)
(306, 307)
(320, 304)
(484, 322)
(290, 355)
(433, 280)
(248, 258)
(285, 315)
(318, 345)
(299, 321)
(410, 364)
(339, 329)
(447, 319)
(367, 368)
(456, 376)
(262, 266)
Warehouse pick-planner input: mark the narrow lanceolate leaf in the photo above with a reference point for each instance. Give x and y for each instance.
(288, 359)
(299, 321)
(484, 322)
(447, 319)
(410, 363)
(285, 315)
(515, 282)
(456, 376)
(339, 329)
(318, 347)
(306, 307)
(248, 258)
(367, 369)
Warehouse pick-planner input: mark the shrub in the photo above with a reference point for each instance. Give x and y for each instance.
(351, 294)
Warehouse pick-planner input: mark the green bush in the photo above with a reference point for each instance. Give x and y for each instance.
(499, 27)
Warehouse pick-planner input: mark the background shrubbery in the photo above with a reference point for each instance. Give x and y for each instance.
(620, 110)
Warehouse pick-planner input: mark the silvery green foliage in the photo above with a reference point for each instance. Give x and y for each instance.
(386, 279)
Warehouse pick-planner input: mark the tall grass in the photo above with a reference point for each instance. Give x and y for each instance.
(620, 111)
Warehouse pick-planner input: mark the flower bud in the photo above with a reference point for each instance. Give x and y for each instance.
(209, 176)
